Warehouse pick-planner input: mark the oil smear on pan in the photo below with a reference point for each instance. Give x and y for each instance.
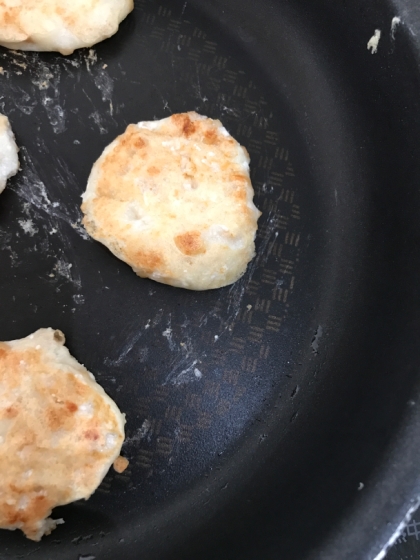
(137, 332)
(45, 90)
(43, 220)
(49, 83)
(126, 349)
(374, 41)
(184, 365)
(144, 432)
(32, 191)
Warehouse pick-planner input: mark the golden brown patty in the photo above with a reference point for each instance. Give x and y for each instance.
(59, 431)
(59, 25)
(173, 199)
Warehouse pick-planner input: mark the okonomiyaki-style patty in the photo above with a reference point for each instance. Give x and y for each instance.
(59, 431)
(59, 25)
(174, 200)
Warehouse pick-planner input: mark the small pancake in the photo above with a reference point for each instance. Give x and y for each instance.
(59, 25)
(174, 200)
(9, 161)
(59, 432)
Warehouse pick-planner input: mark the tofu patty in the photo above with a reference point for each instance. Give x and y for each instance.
(174, 200)
(59, 432)
(59, 25)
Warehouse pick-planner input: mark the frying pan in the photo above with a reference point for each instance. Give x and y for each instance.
(278, 417)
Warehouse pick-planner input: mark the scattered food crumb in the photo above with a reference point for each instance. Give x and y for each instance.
(361, 486)
(28, 227)
(249, 307)
(120, 464)
(395, 21)
(92, 56)
(374, 41)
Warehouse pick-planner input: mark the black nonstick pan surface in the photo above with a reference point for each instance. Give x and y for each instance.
(279, 417)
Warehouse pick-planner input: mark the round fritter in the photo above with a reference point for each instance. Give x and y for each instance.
(9, 162)
(59, 431)
(59, 25)
(174, 200)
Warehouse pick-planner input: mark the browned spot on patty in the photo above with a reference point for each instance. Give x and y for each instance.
(131, 138)
(139, 143)
(210, 137)
(153, 170)
(185, 124)
(54, 418)
(71, 407)
(190, 243)
(240, 195)
(238, 178)
(148, 260)
(11, 412)
(60, 414)
(91, 434)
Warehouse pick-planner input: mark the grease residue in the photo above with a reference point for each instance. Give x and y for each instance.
(45, 223)
(50, 84)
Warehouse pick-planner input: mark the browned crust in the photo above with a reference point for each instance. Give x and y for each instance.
(185, 125)
(190, 243)
(147, 260)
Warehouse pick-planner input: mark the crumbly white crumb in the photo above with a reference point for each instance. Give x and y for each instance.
(374, 41)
